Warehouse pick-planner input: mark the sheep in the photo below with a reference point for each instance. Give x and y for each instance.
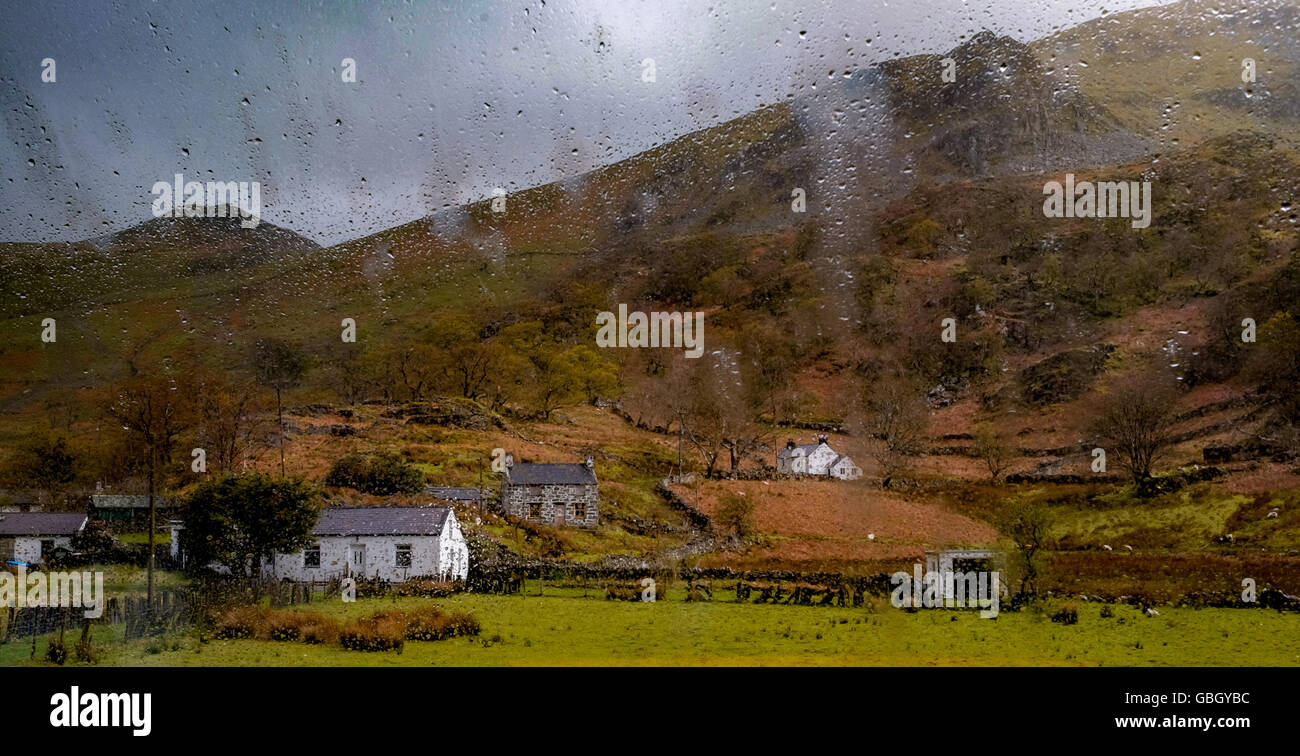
(1107, 547)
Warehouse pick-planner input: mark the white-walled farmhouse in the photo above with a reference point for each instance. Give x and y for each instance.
(32, 537)
(392, 543)
(816, 459)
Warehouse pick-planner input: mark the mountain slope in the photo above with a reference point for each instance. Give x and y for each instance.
(1174, 73)
(918, 190)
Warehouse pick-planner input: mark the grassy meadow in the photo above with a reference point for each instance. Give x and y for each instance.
(564, 628)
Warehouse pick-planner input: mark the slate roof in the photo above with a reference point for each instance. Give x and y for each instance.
(806, 449)
(453, 493)
(40, 523)
(381, 521)
(561, 474)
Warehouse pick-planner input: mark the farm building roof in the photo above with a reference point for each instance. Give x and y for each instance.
(40, 523)
(340, 521)
(555, 474)
(802, 450)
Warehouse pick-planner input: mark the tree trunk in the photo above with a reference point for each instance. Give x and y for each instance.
(279, 418)
(152, 512)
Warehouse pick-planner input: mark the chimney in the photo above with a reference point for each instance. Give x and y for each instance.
(589, 462)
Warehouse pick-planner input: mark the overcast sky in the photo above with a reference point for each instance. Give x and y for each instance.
(452, 99)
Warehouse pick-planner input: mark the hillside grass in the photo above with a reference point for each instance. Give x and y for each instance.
(573, 631)
(1197, 518)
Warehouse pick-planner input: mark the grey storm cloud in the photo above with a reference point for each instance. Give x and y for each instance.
(452, 99)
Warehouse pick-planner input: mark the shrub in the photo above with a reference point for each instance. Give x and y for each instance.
(377, 633)
(83, 651)
(431, 623)
(462, 624)
(291, 626)
(282, 629)
(381, 474)
(1067, 615)
(416, 587)
(261, 623)
(320, 632)
(426, 624)
(425, 588)
(240, 623)
(615, 592)
(382, 631)
(56, 653)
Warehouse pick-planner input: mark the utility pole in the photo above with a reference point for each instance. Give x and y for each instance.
(152, 510)
(680, 430)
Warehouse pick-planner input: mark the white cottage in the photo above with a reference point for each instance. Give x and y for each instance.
(816, 459)
(392, 543)
(33, 537)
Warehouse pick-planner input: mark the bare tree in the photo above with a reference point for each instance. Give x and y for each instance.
(736, 514)
(351, 377)
(991, 446)
(47, 464)
(413, 366)
(279, 366)
(1135, 422)
(896, 420)
(707, 401)
(154, 411)
(1028, 526)
(227, 417)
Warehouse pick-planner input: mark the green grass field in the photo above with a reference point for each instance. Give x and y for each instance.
(571, 630)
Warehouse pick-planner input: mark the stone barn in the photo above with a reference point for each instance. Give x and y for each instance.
(553, 494)
(963, 562)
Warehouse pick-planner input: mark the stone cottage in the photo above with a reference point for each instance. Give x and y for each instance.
(33, 537)
(816, 459)
(554, 494)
